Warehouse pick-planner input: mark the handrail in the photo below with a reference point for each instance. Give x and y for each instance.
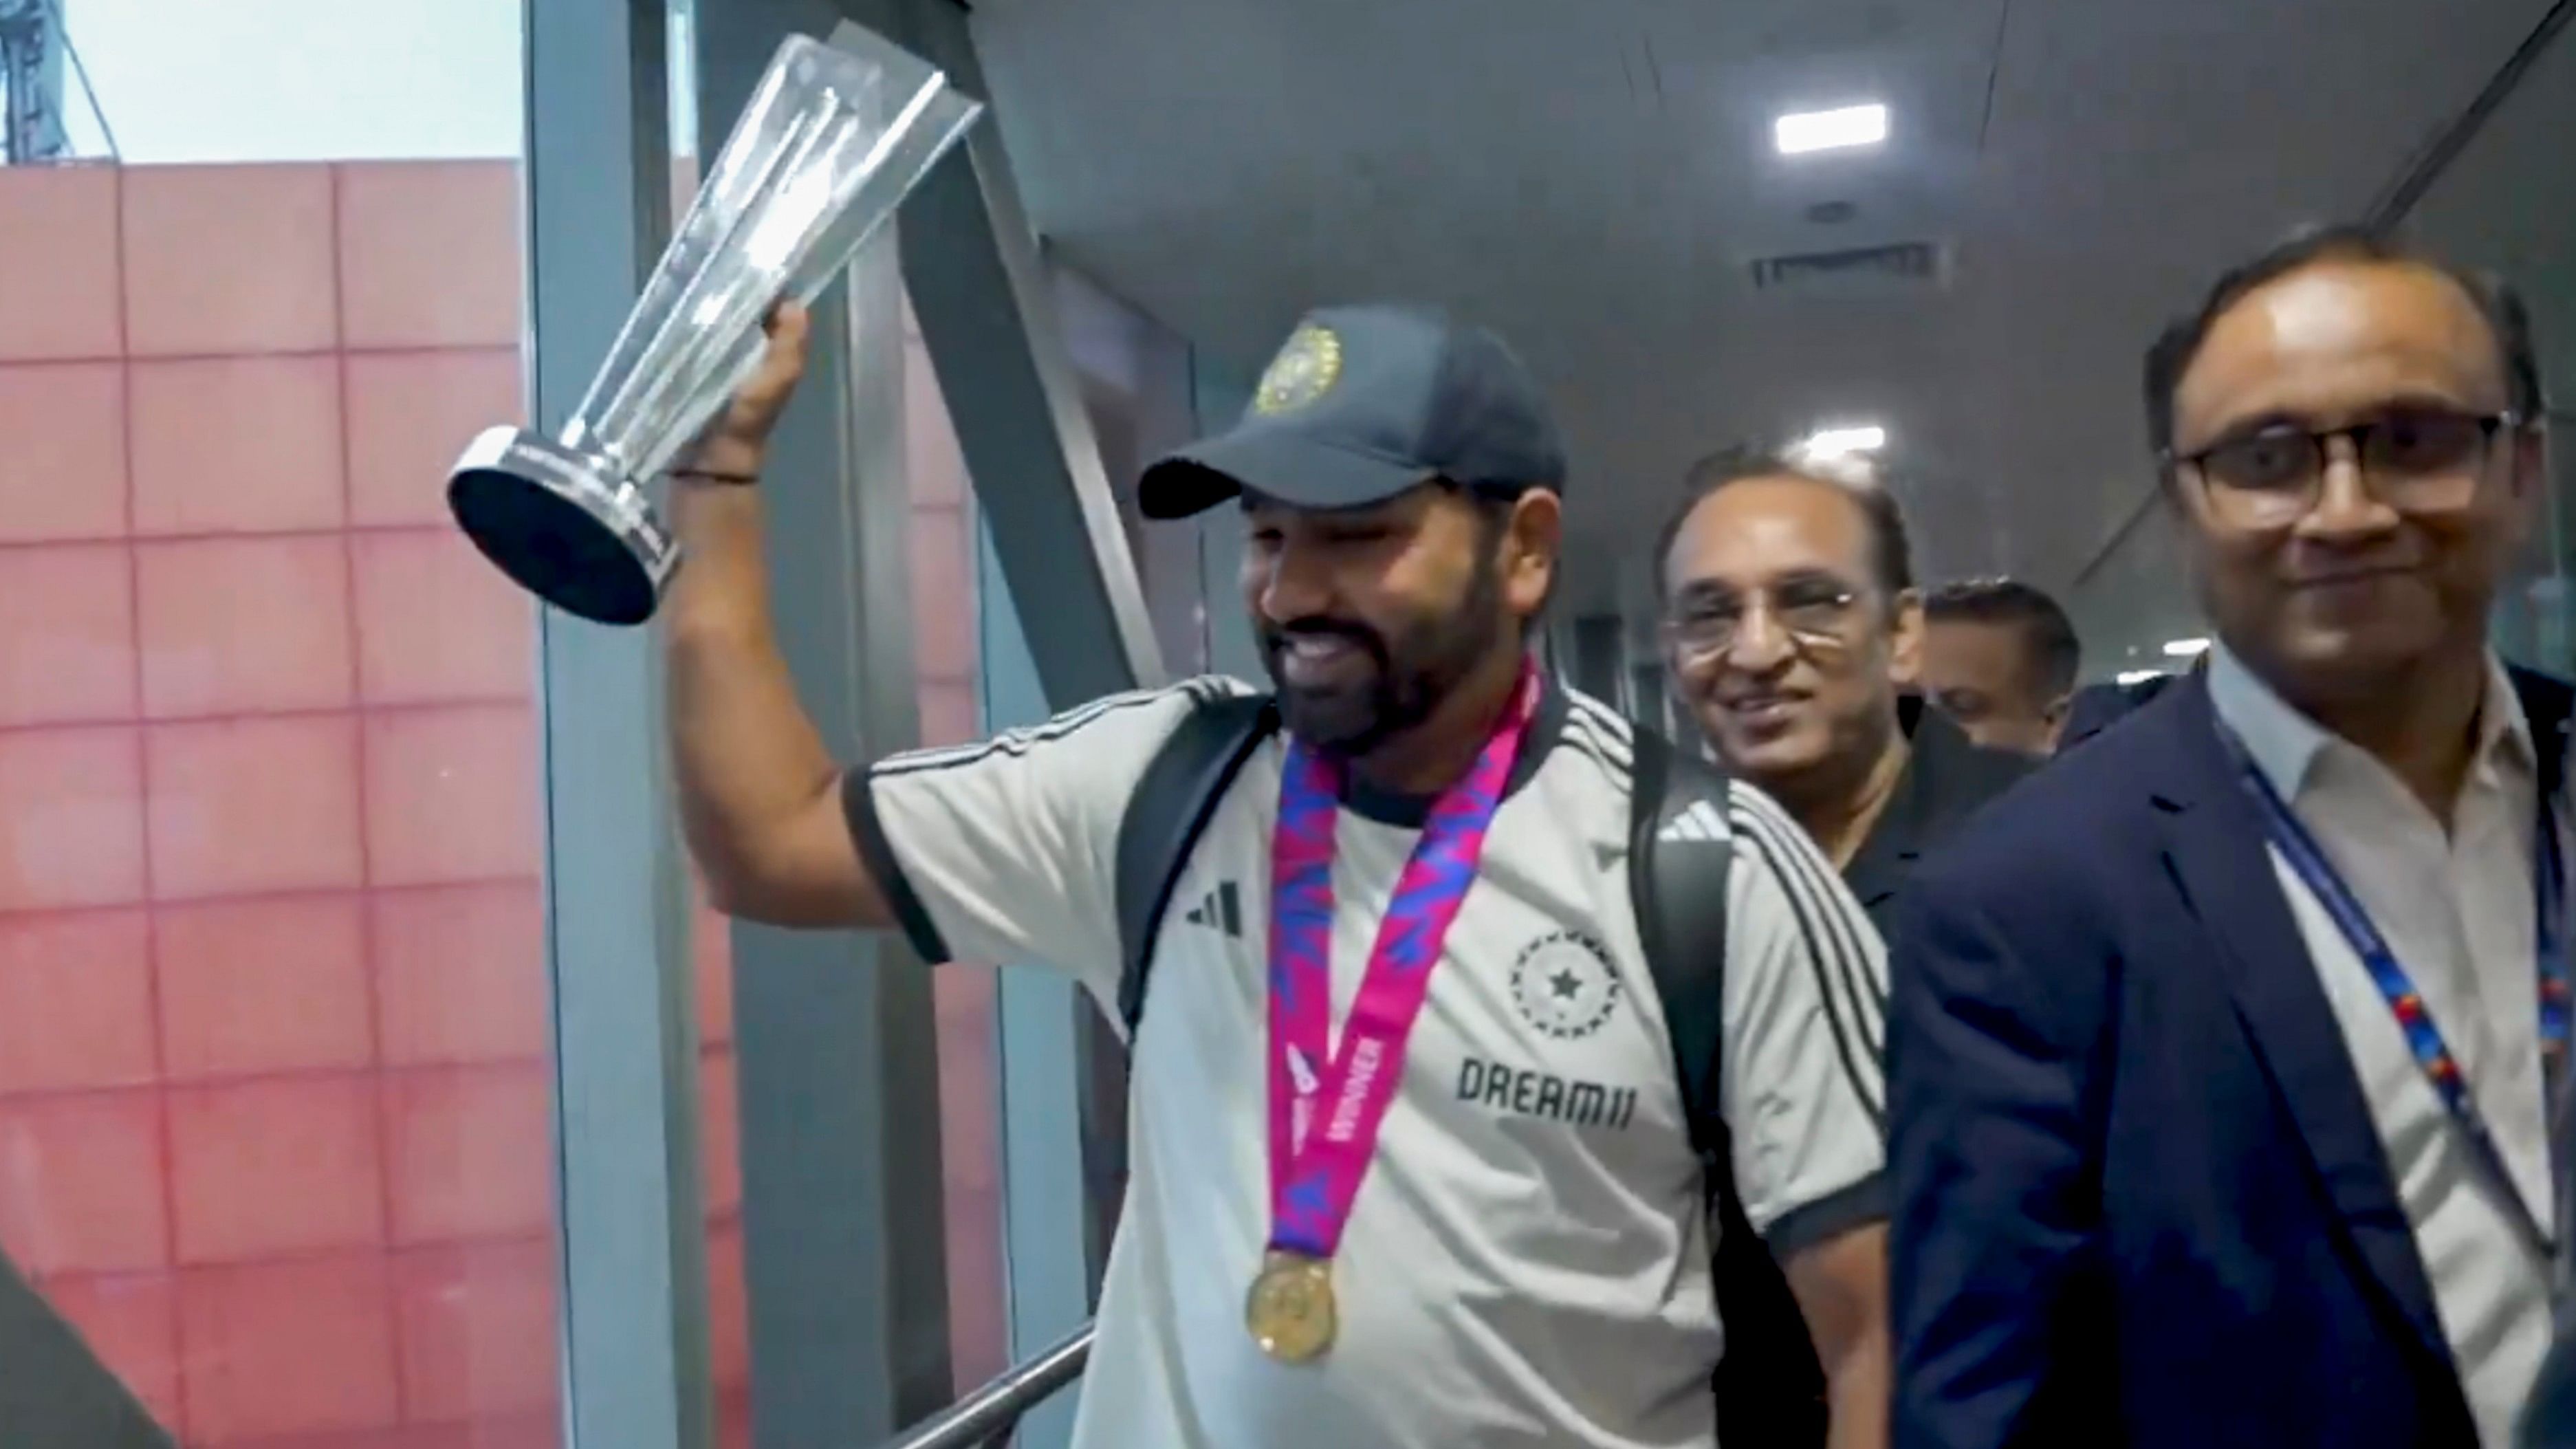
(982, 1416)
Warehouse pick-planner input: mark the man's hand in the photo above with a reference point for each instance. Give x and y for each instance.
(738, 443)
(1841, 1287)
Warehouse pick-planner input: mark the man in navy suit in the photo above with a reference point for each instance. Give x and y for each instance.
(2097, 707)
(2220, 1052)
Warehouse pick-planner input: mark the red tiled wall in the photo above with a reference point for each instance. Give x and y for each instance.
(272, 1018)
(273, 1123)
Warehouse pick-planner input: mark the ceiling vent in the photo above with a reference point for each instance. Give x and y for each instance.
(1900, 264)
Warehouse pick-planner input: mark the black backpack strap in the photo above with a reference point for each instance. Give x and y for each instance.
(1679, 847)
(1770, 1387)
(1171, 807)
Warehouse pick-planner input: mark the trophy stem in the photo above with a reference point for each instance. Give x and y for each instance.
(733, 313)
(720, 315)
(721, 197)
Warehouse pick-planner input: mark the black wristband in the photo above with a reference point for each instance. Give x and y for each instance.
(710, 475)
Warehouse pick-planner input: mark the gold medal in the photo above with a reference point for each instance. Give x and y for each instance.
(1290, 1308)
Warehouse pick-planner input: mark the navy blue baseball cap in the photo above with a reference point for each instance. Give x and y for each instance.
(1363, 403)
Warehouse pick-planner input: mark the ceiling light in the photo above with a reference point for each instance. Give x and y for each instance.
(2185, 648)
(1839, 442)
(2138, 676)
(1800, 132)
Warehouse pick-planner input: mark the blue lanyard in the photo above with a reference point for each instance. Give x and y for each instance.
(2423, 1034)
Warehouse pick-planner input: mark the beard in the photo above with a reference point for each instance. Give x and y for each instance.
(1411, 670)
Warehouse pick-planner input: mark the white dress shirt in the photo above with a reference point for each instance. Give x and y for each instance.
(2455, 906)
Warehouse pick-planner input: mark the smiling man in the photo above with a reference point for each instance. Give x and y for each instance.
(2223, 1050)
(1411, 1161)
(1793, 631)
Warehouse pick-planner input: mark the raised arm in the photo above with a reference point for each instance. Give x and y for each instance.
(997, 851)
(760, 794)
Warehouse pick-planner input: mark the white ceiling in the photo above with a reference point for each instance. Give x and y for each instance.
(1592, 177)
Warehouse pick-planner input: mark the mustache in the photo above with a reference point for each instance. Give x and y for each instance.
(1276, 636)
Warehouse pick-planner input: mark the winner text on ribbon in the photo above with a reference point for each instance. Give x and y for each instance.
(1366, 1055)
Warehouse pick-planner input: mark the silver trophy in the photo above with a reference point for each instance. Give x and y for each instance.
(834, 137)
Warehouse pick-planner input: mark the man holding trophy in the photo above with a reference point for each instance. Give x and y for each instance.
(1410, 1161)
(1501, 1060)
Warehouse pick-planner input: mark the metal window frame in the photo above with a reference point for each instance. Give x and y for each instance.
(834, 1033)
(54, 1391)
(835, 1038)
(1076, 627)
(1047, 1252)
(1595, 649)
(631, 1232)
(1047, 1033)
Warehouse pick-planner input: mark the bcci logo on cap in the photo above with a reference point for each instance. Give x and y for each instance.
(1303, 371)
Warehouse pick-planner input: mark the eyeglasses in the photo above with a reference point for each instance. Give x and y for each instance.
(1814, 613)
(2415, 460)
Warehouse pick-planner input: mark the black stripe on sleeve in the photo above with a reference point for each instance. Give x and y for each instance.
(1585, 741)
(1836, 1213)
(1851, 921)
(1614, 725)
(1812, 909)
(859, 803)
(1608, 746)
(1842, 971)
(1014, 743)
(1844, 919)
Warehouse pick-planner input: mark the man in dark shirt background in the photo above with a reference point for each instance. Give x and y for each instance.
(2097, 707)
(2000, 658)
(1794, 635)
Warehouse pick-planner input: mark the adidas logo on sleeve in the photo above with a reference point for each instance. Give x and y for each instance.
(1221, 910)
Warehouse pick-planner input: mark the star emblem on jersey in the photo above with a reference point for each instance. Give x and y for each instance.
(1564, 986)
(1303, 371)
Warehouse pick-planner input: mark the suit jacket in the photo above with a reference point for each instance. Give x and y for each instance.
(1947, 779)
(2550, 1422)
(2140, 1198)
(2097, 707)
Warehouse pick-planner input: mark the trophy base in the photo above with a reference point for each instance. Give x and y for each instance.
(563, 524)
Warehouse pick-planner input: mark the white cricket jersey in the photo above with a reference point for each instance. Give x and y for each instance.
(1527, 1262)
